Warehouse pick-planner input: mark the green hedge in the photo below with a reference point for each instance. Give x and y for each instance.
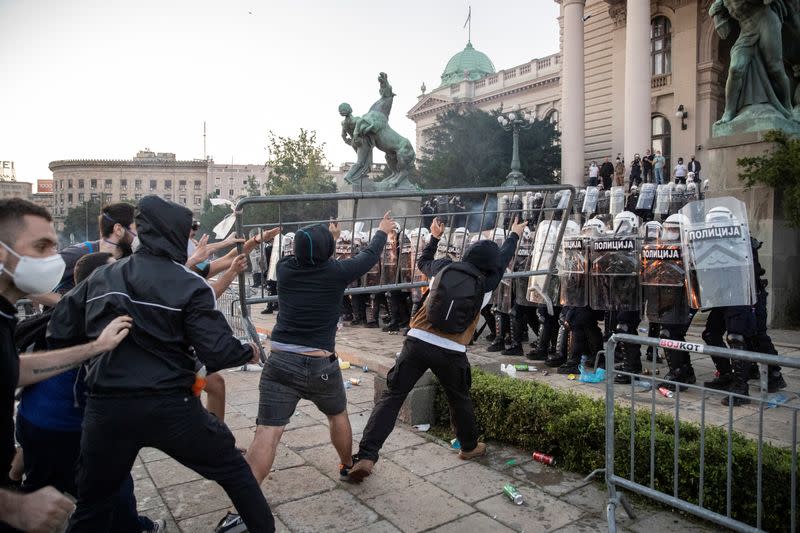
(571, 427)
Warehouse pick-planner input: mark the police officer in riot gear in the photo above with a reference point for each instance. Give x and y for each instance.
(523, 312)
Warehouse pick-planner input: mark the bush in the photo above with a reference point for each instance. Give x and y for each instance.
(571, 427)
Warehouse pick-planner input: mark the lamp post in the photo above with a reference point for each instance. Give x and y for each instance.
(517, 119)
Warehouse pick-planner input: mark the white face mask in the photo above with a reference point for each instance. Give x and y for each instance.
(34, 275)
(135, 243)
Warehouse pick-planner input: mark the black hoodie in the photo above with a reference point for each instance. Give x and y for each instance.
(311, 286)
(172, 309)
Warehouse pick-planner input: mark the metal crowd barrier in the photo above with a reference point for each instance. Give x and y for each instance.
(228, 304)
(651, 487)
(482, 200)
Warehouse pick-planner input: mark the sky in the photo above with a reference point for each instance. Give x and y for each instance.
(102, 79)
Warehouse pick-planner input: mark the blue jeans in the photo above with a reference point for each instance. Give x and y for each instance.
(659, 175)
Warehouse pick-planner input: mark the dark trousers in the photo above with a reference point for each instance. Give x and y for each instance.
(453, 371)
(51, 458)
(736, 320)
(359, 305)
(115, 429)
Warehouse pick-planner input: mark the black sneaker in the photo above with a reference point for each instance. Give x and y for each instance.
(775, 382)
(554, 362)
(568, 368)
(491, 337)
(390, 327)
(536, 355)
(371, 325)
(721, 382)
(232, 523)
(513, 349)
(266, 311)
(356, 322)
(497, 346)
(737, 389)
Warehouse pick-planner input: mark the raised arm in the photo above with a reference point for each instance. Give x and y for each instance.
(354, 268)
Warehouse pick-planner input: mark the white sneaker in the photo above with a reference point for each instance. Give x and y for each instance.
(159, 526)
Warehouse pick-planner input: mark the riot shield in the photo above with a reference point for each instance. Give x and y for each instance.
(717, 252)
(580, 197)
(614, 261)
(573, 272)
(647, 196)
(662, 200)
(603, 201)
(617, 203)
(544, 288)
(522, 261)
(287, 245)
(389, 260)
(590, 201)
(502, 297)
(664, 284)
(457, 243)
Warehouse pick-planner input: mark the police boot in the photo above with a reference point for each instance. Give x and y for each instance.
(393, 324)
(653, 331)
(631, 358)
(562, 346)
(515, 347)
(371, 312)
(680, 367)
(501, 324)
(594, 338)
(741, 373)
(775, 381)
(543, 344)
(491, 325)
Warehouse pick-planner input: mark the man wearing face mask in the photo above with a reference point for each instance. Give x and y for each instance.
(29, 264)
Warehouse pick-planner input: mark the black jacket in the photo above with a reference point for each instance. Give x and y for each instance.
(311, 285)
(172, 308)
(484, 255)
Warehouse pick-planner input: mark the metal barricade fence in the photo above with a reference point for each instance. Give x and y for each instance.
(228, 303)
(683, 491)
(283, 211)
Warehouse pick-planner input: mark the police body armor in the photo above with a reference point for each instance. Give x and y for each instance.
(544, 288)
(590, 200)
(662, 200)
(614, 261)
(664, 283)
(617, 203)
(573, 274)
(717, 253)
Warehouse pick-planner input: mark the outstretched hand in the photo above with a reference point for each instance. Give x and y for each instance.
(269, 234)
(333, 227)
(201, 252)
(387, 223)
(238, 265)
(437, 228)
(113, 333)
(518, 226)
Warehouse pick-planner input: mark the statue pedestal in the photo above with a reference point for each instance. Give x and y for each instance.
(780, 253)
(754, 119)
(403, 209)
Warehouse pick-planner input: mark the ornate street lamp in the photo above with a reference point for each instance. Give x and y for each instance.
(517, 119)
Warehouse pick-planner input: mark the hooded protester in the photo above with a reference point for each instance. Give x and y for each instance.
(439, 347)
(302, 363)
(139, 394)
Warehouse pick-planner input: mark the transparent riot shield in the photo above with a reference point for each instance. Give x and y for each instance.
(590, 201)
(717, 252)
(614, 264)
(573, 276)
(522, 260)
(647, 196)
(664, 284)
(578, 204)
(617, 204)
(389, 260)
(662, 200)
(544, 288)
(603, 202)
(287, 245)
(457, 243)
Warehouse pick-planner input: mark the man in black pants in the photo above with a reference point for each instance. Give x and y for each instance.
(140, 393)
(444, 353)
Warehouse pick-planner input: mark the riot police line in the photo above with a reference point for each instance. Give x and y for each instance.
(590, 263)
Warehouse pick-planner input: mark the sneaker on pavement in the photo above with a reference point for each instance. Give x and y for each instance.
(159, 526)
(232, 523)
(360, 470)
(344, 472)
(478, 451)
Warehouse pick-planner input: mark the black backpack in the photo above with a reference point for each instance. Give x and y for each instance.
(455, 298)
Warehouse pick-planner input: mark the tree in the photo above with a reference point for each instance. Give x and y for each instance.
(212, 215)
(252, 188)
(778, 168)
(470, 149)
(81, 223)
(298, 167)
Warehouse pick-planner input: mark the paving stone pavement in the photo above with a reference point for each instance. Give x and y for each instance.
(418, 485)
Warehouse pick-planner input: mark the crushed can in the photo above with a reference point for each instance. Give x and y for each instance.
(541, 457)
(344, 365)
(513, 494)
(355, 381)
(665, 392)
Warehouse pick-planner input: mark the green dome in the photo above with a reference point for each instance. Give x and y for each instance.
(476, 64)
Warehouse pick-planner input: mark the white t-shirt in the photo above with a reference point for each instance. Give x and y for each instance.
(680, 170)
(593, 171)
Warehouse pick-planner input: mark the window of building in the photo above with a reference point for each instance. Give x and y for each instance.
(153, 185)
(123, 185)
(69, 184)
(81, 197)
(216, 192)
(108, 184)
(138, 185)
(230, 193)
(95, 197)
(660, 46)
(80, 184)
(183, 200)
(61, 185)
(197, 184)
(69, 198)
(182, 185)
(123, 196)
(93, 185)
(197, 200)
(661, 139)
(168, 197)
(168, 184)
(216, 180)
(138, 196)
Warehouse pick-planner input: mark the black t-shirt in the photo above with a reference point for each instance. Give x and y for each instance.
(9, 376)
(70, 255)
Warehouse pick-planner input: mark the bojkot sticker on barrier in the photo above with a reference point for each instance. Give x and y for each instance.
(681, 345)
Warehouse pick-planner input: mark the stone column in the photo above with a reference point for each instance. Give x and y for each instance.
(572, 115)
(637, 78)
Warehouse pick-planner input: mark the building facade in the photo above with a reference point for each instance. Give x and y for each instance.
(231, 181)
(15, 189)
(76, 181)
